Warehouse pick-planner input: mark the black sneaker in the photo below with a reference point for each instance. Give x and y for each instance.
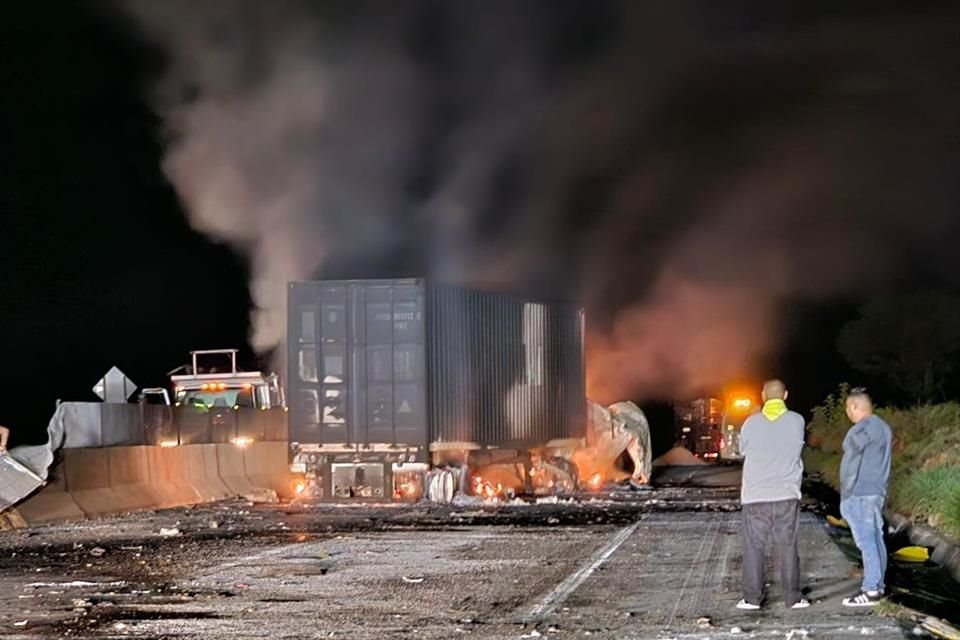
(863, 599)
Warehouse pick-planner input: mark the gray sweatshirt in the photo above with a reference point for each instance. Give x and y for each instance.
(867, 451)
(772, 468)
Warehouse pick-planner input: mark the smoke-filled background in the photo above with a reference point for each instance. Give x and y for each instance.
(690, 171)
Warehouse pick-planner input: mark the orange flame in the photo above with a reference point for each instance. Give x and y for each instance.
(595, 481)
(487, 490)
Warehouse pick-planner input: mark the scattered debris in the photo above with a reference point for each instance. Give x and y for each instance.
(96, 552)
(262, 496)
(169, 532)
(912, 554)
(532, 634)
(704, 622)
(413, 579)
(797, 633)
(214, 524)
(77, 583)
(21, 623)
(735, 630)
(939, 628)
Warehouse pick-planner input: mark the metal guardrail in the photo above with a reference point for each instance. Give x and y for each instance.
(96, 424)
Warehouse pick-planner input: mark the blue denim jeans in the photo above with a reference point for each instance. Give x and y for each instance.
(864, 514)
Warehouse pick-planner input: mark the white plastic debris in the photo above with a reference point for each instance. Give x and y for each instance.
(413, 579)
(96, 552)
(77, 583)
(532, 634)
(736, 630)
(169, 532)
(21, 623)
(867, 631)
(797, 633)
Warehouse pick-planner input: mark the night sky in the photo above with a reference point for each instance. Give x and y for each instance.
(720, 184)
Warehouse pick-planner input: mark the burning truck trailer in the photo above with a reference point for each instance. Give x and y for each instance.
(409, 389)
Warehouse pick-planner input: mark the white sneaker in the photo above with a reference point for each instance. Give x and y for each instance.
(802, 603)
(743, 604)
(863, 599)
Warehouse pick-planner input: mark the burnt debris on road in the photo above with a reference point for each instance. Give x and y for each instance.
(621, 564)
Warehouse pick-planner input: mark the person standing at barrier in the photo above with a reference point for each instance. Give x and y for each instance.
(864, 472)
(771, 442)
(4, 438)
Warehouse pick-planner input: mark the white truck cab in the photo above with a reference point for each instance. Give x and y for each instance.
(212, 380)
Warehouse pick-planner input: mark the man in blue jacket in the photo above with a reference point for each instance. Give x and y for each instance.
(864, 471)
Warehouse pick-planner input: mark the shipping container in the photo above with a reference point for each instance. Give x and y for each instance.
(414, 366)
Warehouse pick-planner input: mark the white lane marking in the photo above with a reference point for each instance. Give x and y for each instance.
(563, 590)
(256, 559)
(709, 534)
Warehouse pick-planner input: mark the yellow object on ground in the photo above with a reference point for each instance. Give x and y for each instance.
(912, 554)
(838, 522)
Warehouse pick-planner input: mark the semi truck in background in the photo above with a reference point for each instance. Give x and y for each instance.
(698, 426)
(710, 426)
(396, 386)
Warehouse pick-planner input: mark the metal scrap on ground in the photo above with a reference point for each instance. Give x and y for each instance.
(23, 470)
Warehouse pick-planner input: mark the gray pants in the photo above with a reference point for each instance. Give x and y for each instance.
(771, 526)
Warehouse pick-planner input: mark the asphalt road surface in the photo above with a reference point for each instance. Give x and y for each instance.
(662, 564)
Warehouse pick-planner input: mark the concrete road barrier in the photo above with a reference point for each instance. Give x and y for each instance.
(87, 474)
(201, 472)
(232, 469)
(267, 466)
(168, 477)
(92, 482)
(130, 479)
(52, 504)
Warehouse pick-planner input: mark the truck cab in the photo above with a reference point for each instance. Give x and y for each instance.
(212, 381)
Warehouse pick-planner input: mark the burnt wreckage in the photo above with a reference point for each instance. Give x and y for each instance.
(390, 380)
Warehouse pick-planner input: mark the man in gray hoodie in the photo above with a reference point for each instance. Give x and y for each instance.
(771, 442)
(864, 471)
